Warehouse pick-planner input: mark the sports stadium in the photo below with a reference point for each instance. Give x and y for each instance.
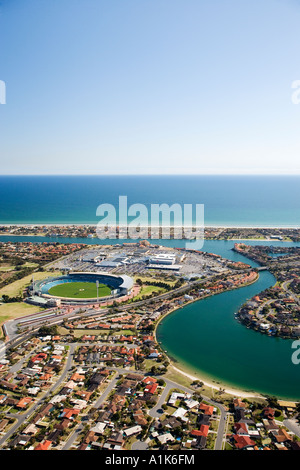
(80, 288)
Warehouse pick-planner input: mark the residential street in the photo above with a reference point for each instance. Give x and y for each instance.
(24, 416)
(68, 444)
(154, 412)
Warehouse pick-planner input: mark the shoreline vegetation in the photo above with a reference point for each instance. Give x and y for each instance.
(211, 226)
(209, 232)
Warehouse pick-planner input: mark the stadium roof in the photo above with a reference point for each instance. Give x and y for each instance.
(127, 282)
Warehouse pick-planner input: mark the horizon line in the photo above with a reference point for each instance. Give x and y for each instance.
(150, 174)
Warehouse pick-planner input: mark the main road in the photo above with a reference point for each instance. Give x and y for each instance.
(15, 339)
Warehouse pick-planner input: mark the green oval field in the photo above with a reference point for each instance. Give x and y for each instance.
(80, 290)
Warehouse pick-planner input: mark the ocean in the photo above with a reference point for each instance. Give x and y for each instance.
(259, 201)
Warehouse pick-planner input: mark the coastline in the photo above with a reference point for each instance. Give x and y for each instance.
(34, 230)
(211, 226)
(208, 239)
(212, 382)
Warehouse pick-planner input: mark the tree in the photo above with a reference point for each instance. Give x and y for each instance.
(161, 382)
(272, 402)
(47, 330)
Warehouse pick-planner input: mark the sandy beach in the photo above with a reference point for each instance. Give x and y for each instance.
(230, 391)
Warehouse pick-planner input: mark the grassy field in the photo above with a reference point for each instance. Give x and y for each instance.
(16, 288)
(155, 279)
(6, 269)
(62, 330)
(89, 332)
(9, 311)
(16, 309)
(186, 382)
(10, 267)
(78, 332)
(148, 290)
(80, 290)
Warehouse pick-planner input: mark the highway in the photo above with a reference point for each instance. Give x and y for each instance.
(15, 338)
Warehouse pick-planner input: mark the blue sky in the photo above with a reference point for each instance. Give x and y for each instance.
(149, 86)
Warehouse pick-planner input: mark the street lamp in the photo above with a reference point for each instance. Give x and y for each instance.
(97, 285)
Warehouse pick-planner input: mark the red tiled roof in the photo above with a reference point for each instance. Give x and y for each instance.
(151, 388)
(148, 380)
(243, 441)
(204, 428)
(207, 409)
(196, 432)
(43, 445)
(24, 402)
(68, 412)
(240, 427)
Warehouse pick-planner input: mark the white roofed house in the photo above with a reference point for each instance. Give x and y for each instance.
(180, 413)
(31, 429)
(164, 438)
(133, 430)
(99, 428)
(190, 403)
(33, 390)
(175, 396)
(78, 404)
